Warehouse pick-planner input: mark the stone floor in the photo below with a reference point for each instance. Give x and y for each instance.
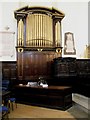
(78, 111)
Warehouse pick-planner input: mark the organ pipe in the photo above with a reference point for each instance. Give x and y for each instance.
(57, 33)
(20, 33)
(35, 28)
(39, 31)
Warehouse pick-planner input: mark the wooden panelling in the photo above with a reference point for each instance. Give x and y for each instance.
(71, 67)
(74, 72)
(20, 66)
(64, 67)
(32, 65)
(8, 70)
(83, 67)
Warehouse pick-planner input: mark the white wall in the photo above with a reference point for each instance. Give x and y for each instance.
(7, 19)
(75, 21)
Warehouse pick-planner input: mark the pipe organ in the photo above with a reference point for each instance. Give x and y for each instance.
(39, 30)
(39, 27)
(38, 40)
